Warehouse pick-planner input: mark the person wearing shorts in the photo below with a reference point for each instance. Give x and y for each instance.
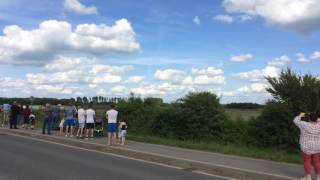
(112, 115)
(68, 113)
(81, 121)
(122, 132)
(90, 116)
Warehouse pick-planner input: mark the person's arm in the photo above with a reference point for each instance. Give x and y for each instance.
(301, 124)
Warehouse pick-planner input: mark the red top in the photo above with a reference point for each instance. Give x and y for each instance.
(26, 112)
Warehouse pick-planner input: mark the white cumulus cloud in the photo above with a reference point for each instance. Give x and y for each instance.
(172, 75)
(315, 55)
(295, 15)
(301, 58)
(241, 57)
(258, 75)
(77, 7)
(280, 61)
(134, 79)
(53, 38)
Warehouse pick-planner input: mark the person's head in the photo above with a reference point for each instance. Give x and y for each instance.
(90, 106)
(112, 106)
(313, 117)
(15, 102)
(79, 107)
(24, 106)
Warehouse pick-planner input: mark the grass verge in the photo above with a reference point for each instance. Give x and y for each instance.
(253, 152)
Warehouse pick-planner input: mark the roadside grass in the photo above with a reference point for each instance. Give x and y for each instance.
(232, 149)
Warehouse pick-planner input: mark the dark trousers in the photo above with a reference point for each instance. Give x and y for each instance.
(55, 122)
(47, 123)
(13, 121)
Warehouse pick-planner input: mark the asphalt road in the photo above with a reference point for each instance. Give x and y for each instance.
(27, 159)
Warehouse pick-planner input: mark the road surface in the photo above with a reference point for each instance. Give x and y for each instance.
(28, 159)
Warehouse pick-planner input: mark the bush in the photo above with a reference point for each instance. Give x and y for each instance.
(199, 116)
(274, 127)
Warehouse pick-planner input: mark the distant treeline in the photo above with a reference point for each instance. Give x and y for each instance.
(243, 105)
(76, 101)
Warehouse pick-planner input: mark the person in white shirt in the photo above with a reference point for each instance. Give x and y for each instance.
(112, 115)
(81, 121)
(90, 114)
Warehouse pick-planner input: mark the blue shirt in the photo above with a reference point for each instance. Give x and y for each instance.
(6, 108)
(68, 112)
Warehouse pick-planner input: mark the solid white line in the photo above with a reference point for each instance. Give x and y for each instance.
(207, 174)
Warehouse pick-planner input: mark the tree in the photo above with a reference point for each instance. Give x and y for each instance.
(292, 94)
(300, 93)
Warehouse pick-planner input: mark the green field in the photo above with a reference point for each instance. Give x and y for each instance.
(242, 114)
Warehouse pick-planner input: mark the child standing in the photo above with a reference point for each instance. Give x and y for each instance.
(61, 126)
(32, 119)
(122, 132)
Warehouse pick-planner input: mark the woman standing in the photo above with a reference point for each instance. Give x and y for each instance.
(309, 142)
(26, 113)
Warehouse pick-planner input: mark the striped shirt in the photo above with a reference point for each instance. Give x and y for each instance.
(309, 136)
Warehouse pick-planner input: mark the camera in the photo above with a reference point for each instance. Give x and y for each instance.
(306, 117)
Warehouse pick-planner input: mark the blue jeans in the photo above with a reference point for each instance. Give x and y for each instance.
(47, 125)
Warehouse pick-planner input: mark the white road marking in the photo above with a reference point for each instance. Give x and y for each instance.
(207, 174)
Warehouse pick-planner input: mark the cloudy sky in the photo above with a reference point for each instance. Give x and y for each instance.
(159, 48)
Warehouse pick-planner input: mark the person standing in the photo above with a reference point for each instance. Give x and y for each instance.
(112, 115)
(6, 112)
(47, 123)
(91, 115)
(15, 111)
(26, 113)
(55, 116)
(122, 132)
(309, 142)
(69, 120)
(81, 121)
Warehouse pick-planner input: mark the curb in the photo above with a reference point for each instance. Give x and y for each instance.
(190, 165)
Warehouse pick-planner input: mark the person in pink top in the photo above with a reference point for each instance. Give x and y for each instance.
(309, 142)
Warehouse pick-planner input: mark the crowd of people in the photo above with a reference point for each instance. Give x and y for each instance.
(72, 121)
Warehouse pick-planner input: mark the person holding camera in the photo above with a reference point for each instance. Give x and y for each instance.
(309, 142)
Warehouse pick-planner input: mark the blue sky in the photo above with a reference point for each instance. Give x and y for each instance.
(69, 48)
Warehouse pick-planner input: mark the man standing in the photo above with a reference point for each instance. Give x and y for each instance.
(47, 123)
(56, 116)
(6, 111)
(15, 111)
(81, 121)
(112, 115)
(91, 114)
(68, 114)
